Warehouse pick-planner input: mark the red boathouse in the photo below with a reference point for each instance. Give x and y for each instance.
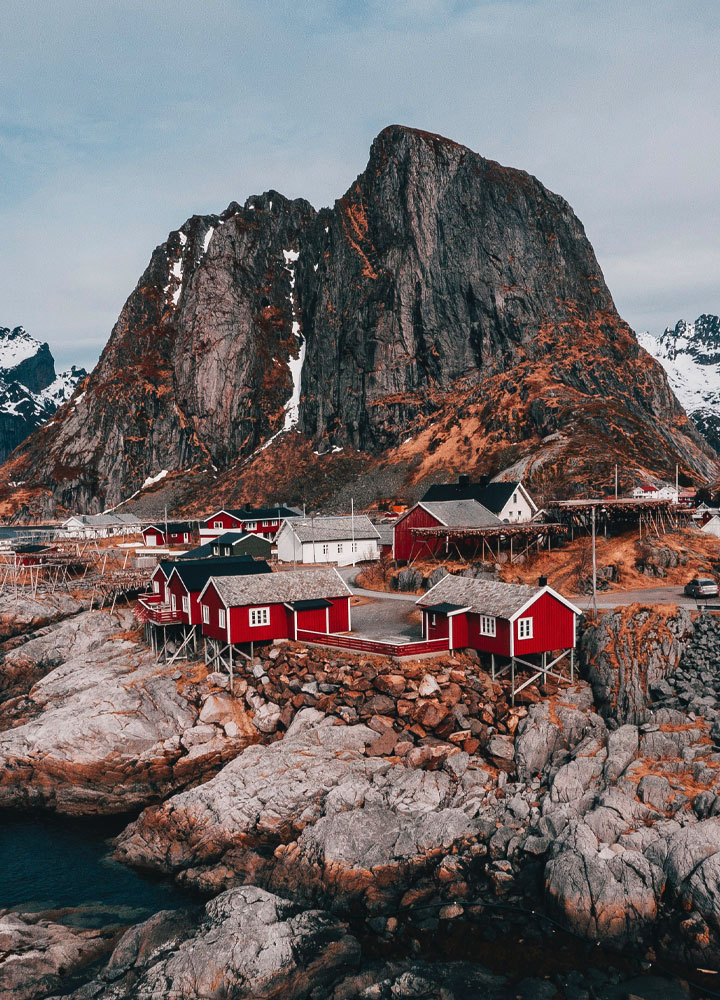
(172, 533)
(441, 514)
(274, 606)
(505, 619)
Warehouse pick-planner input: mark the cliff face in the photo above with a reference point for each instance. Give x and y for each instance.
(444, 296)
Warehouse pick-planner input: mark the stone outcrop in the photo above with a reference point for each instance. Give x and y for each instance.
(37, 954)
(247, 944)
(629, 651)
(443, 297)
(108, 729)
(312, 817)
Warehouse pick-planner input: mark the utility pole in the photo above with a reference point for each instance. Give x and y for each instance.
(594, 566)
(616, 481)
(352, 529)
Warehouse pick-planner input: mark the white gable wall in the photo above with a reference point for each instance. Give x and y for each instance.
(340, 552)
(518, 508)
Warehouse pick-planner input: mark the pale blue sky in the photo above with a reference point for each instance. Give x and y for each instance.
(120, 118)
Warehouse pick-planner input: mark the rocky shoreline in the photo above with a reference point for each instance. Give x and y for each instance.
(347, 816)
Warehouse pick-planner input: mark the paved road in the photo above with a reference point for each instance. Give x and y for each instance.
(605, 599)
(648, 595)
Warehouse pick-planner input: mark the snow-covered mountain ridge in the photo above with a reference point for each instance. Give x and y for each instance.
(30, 391)
(690, 354)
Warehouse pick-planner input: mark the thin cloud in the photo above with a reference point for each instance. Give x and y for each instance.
(119, 120)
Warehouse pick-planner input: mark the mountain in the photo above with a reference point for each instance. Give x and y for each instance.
(30, 391)
(445, 313)
(690, 354)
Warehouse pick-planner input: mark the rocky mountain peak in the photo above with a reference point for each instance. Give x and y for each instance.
(690, 354)
(30, 391)
(446, 312)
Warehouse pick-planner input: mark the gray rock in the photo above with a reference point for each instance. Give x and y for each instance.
(257, 945)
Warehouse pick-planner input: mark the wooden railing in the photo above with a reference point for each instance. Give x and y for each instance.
(151, 610)
(375, 645)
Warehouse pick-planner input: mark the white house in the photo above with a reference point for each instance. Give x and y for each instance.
(101, 525)
(655, 493)
(341, 540)
(712, 527)
(509, 501)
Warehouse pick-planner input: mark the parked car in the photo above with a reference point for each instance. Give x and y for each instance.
(701, 586)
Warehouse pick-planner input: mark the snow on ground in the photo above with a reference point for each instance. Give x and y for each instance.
(208, 237)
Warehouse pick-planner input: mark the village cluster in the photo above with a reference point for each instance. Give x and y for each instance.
(249, 576)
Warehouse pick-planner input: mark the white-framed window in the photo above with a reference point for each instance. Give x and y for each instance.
(353, 546)
(186, 605)
(217, 524)
(433, 620)
(525, 628)
(325, 549)
(259, 616)
(273, 524)
(173, 602)
(340, 547)
(251, 525)
(206, 614)
(156, 586)
(186, 537)
(221, 617)
(487, 625)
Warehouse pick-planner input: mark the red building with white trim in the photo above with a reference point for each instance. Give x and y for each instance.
(187, 580)
(440, 514)
(263, 521)
(172, 533)
(274, 606)
(505, 619)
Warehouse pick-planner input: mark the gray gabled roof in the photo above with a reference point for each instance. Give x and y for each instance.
(386, 532)
(276, 588)
(483, 597)
(462, 514)
(333, 529)
(486, 597)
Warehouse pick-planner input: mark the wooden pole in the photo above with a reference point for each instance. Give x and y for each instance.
(594, 567)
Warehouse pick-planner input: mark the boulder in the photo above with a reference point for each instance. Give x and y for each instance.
(249, 943)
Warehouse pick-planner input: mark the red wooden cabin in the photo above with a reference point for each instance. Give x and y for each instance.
(188, 578)
(174, 533)
(159, 579)
(274, 606)
(441, 514)
(263, 521)
(507, 619)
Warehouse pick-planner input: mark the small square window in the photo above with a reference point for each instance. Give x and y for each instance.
(487, 625)
(340, 547)
(325, 549)
(217, 524)
(525, 628)
(259, 616)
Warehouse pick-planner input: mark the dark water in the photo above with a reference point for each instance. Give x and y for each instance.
(49, 863)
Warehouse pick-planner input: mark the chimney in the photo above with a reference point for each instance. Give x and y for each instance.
(483, 481)
(542, 581)
(464, 481)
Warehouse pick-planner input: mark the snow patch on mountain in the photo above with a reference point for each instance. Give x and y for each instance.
(690, 354)
(30, 391)
(16, 346)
